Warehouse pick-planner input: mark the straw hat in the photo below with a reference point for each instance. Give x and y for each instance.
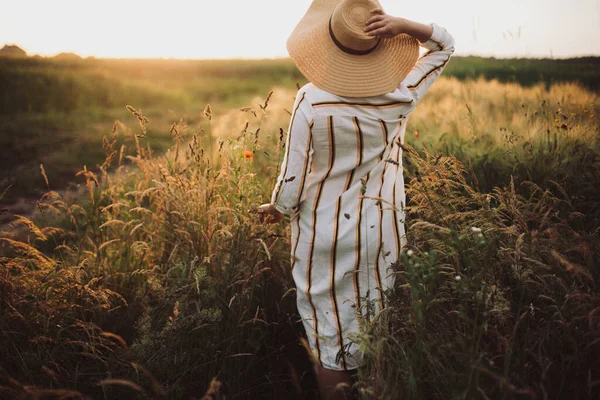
(331, 49)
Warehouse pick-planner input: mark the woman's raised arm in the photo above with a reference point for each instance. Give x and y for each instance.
(433, 37)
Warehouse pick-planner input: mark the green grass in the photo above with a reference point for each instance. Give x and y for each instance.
(528, 72)
(157, 278)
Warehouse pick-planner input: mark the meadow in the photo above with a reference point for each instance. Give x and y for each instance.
(56, 111)
(153, 278)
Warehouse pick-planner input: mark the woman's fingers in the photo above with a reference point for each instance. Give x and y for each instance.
(261, 210)
(374, 26)
(374, 18)
(267, 213)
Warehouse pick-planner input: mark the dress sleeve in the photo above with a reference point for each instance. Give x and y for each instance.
(431, 64)
(291, 182)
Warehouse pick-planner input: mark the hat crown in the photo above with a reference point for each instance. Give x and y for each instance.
(330, 48)
(348, 22)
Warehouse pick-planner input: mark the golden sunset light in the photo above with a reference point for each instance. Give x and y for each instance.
(259, 29)
(299, 199)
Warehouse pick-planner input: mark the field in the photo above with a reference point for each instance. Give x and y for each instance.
(67, 105)
(133, 266)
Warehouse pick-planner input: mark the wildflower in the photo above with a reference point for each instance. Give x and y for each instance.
(457, 278)
(416, 134)
(247, 154)
(410, 253)
(475, 229)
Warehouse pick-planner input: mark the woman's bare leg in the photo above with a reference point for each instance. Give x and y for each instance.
(334, 385)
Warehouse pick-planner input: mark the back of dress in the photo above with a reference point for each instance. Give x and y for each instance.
(341, 181)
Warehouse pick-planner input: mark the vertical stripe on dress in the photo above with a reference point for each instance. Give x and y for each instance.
(332, 262)
(312, 241)
(394, 210)
(384, 131)
(288, 145)
(308, 146)
(358, 245)
(305, 169)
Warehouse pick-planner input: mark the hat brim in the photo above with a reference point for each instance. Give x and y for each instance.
(328, 67)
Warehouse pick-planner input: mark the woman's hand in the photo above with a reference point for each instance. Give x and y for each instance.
(383, 25)
(268, 213)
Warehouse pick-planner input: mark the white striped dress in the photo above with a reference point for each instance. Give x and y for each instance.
(342, 154)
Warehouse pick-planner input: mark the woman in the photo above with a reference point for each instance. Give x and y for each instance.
(341, 177)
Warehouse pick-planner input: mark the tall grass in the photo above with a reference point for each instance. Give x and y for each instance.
(498, 290)
(158, 278)
(164, 265)
(498, 293)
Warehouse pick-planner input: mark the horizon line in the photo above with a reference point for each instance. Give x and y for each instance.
(280, 58)
(284, 57)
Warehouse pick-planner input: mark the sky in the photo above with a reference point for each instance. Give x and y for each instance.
(259, 28)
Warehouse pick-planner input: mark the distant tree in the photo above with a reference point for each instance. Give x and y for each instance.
(67, 56)
(12, 51)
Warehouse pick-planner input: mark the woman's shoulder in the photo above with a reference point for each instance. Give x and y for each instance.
(316, 94)
(322, 98)
(311, 90)
(312, 94)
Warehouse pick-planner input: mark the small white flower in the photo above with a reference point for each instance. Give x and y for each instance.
(457, 278)
(475, 229)
(410, 253)
(480, 235)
